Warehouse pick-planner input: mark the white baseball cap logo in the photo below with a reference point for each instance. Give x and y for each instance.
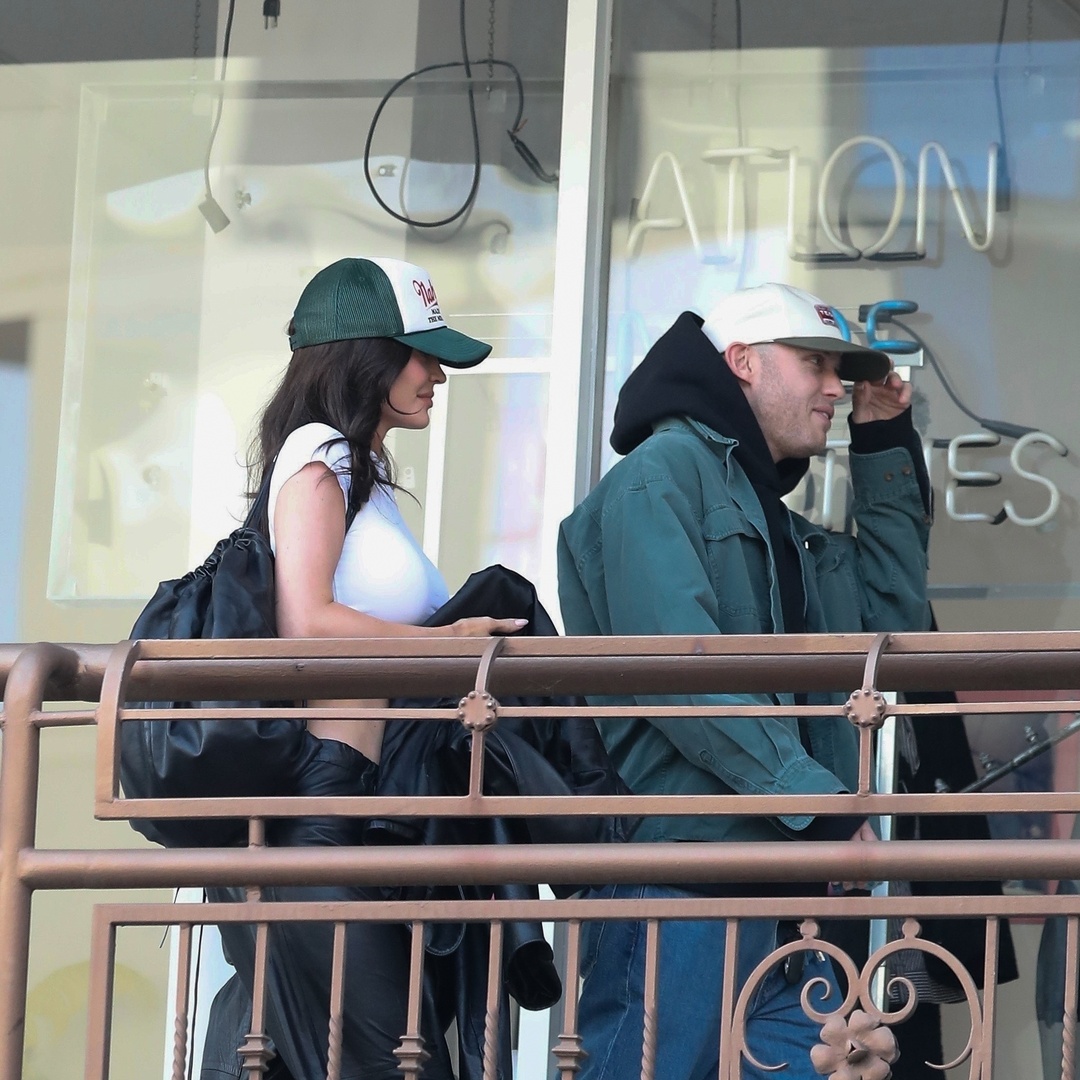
(825, 314)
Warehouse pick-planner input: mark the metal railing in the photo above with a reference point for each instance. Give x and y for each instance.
(477, 672)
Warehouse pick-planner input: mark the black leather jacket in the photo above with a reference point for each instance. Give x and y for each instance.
(522, 756)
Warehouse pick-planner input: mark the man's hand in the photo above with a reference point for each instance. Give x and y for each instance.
(863, 835)
(879, 401)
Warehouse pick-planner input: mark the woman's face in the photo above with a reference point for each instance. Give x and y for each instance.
(411, 395)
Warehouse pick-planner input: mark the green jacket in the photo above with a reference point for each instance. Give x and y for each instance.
(673, 540)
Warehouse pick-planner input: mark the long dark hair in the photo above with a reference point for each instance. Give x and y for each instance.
(344, 384)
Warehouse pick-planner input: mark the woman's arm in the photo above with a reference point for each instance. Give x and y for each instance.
(309, 528)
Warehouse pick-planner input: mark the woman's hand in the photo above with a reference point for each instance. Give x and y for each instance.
(482, 626)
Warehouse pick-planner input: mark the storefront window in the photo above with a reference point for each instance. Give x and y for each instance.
(879, 160)
(175, 332)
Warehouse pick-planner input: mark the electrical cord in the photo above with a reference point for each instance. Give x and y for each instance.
(1003, 184)
(210, 208)
(195, 994)
(1005, 428)
(516, 141)
(740, 135)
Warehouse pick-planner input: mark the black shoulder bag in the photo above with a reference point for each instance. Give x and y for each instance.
(231, 595)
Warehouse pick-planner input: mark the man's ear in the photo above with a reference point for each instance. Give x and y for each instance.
(743, 362)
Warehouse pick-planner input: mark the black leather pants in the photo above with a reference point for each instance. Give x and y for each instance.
(300, 954)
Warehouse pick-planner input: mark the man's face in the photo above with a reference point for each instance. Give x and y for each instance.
(793, 398)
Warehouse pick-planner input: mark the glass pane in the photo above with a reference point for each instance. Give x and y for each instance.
(493, 485)
(176, 331)
(915, 158)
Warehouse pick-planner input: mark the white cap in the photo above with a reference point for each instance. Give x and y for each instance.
(790, 316)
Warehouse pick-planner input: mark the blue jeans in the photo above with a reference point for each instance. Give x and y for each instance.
(689, 988)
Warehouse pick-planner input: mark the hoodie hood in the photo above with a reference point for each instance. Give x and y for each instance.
(683, 374)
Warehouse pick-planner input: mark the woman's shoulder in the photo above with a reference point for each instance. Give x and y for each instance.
(314, 442)
(311, 442)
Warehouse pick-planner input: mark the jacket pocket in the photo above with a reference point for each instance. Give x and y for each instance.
(739, 568)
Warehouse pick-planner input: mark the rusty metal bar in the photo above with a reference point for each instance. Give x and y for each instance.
(651, 1003)
(494, 995)
(688, 907)
(567, 1051)
(54, 718)
(241, 669)
(920, 860)
(19, 765)
(471, 649)
(729, 1055)
(412, 1054)
(337, 996)
(113, 684)
(1068, 1032)
(1055, 802)
(483, 674)
(989, 997)
(385, 676)
(476, 770)
(256, 832)
(479, 712)
(866, 709)
(434, 715)
(255, 1049)
(180, 1021)
(99, 1004)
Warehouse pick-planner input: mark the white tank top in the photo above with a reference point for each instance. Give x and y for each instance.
(382, 571)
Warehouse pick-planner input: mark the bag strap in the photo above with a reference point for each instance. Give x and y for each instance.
(261, 506)
(261, 503)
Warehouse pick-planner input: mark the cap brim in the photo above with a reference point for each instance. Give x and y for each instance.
(448, 346)
(857, 363)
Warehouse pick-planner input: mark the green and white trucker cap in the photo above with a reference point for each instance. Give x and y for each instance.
(790, 316)
(365, 298)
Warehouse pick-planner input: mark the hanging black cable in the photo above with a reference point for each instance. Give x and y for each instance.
(1004, 192)
(519, 145)
(210, 208)
(1005, 428)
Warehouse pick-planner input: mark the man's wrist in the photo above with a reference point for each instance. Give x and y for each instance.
(875, 436)
(896, 433)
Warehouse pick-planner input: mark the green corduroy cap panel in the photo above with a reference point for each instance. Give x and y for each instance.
(364, 298)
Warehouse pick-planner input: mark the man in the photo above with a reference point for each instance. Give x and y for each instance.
(688, 535)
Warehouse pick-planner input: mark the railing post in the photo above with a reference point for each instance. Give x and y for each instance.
(866, 708)
(23, 696)
(479, 711)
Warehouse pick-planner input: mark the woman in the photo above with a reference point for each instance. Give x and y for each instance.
(369, 344)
